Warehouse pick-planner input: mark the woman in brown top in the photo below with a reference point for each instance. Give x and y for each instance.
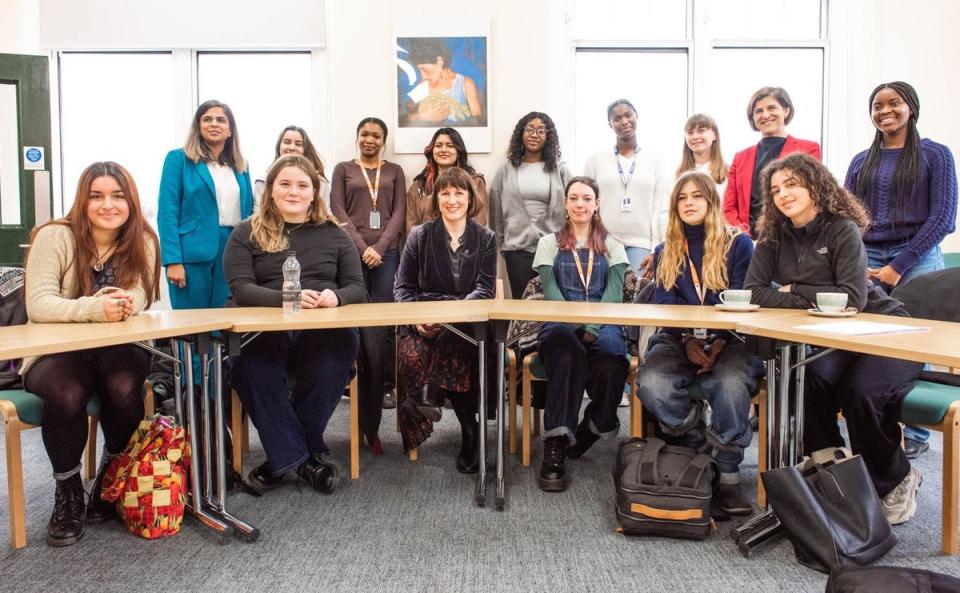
(446, 150)
(367, 196)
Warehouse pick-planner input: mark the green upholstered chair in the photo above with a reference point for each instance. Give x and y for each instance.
(21, 410)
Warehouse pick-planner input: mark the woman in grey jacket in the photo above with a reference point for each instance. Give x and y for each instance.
(526, 196)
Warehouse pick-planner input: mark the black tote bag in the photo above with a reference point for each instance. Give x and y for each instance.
(831, 513)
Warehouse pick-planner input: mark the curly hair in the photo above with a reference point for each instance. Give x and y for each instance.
(827, 194)
(718, 237)
(551, 144)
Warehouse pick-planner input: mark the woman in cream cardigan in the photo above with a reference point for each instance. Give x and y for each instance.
(100, 263)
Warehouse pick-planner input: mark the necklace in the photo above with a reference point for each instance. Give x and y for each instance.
(292, 227)
(102, 259)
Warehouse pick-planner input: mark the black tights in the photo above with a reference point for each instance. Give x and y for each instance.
(66, 382)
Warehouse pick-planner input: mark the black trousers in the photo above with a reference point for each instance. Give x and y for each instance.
(869, 390)
(519, 270)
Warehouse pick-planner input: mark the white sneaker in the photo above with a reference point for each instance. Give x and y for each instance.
(900, 505)
(625, 400)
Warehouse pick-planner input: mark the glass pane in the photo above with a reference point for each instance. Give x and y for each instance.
(737, 73)
(9, 156)
(603, 76)
(636, 19)
(266, 92)
(117, 107)
(764, 19)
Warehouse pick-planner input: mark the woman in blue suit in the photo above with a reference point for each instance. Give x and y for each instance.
(205, 191)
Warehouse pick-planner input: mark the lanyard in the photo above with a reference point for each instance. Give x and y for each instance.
(374, 188)
(697, 286)
(584, 280)
(633, 165)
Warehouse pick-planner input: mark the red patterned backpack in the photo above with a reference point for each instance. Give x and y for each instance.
(148, 480)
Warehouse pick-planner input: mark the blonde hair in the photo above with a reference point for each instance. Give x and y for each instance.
(718, 237)
(267, 225)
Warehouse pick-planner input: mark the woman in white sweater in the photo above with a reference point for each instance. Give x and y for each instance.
(100, 263)
(635, 185)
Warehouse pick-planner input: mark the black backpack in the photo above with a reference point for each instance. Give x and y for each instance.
(663, 489)
(13, 311)
(889, 579)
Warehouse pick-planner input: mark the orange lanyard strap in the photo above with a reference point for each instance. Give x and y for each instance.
(373, 188)
(584, 279)
(697, 286)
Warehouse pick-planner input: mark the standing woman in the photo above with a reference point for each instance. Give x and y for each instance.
(527, 195)
(810, 241)
(701, 257)
(204, 192)
(100, 263)
(909, 187)
(291, 426)
(636, 188)
(367, 195)
(294, 140)
(769, 112)
(446, 150)
(581, 262)
(451, 257)
(701, 150)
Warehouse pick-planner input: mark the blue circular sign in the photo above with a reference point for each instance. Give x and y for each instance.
(34, 155)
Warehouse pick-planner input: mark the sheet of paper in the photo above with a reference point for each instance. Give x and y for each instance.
(860, 328)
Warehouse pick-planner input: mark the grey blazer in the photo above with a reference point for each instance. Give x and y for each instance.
(515, 231)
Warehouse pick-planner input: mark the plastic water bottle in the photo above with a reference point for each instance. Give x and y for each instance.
(291, 283)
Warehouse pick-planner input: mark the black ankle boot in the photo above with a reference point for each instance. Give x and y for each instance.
(553, 472)
(429, 401)
(585, 439)
(468, 461)
(99, 510)
(66, 523)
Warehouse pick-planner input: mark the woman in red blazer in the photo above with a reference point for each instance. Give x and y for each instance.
(769, 111)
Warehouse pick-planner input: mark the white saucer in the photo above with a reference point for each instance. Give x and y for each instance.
(848, 312)
(746, 307)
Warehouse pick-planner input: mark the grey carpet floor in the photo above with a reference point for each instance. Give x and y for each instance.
(412, 526)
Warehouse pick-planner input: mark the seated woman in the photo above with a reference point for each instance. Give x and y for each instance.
(580, 262)
(701, 257)
(451, 257)
(101, 262)
(294, 218)
(810, 242)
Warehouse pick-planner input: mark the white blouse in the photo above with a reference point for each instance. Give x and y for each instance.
(228, 193)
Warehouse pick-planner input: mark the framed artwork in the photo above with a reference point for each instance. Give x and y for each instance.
(442, 81)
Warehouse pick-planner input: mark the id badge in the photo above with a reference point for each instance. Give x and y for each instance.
(375, 220)
(626, 204)
(700, 333)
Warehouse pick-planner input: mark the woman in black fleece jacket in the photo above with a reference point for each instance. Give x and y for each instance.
(810, 241)
(294, 217)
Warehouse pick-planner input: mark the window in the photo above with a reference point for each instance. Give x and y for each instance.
(117, 107)
(606, 75)
(636, 19)
(266, 92)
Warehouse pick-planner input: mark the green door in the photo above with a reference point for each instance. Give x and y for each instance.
(24, 151)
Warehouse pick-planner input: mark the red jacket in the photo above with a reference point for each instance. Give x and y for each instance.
(736, 200)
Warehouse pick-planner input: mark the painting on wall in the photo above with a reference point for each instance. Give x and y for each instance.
(442, 81)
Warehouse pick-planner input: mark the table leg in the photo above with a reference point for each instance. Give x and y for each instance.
(203, 344)
(783, 409)
(501, 495)
(772, 416)
(798, 403)
(480, 496)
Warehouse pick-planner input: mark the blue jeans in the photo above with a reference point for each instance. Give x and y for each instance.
(636, 255)
(879, 256)
(663, 383)
(572, 367)
(320, 360)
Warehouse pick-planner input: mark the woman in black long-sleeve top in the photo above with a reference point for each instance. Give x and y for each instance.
(810, 242)
(448, 258)
(293, 218)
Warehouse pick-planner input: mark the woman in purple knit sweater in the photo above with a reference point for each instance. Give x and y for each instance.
(909, 187)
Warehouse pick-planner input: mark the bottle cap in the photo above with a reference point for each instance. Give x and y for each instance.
(290, 253)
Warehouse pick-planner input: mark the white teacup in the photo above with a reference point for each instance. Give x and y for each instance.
(831, 302)
(735, 297)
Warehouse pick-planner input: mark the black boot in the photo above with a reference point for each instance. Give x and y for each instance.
(322, 475)
(465, 407)
(585, 439)
(429, 401)
(553, 473)
(66, 523)
(99, 510)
